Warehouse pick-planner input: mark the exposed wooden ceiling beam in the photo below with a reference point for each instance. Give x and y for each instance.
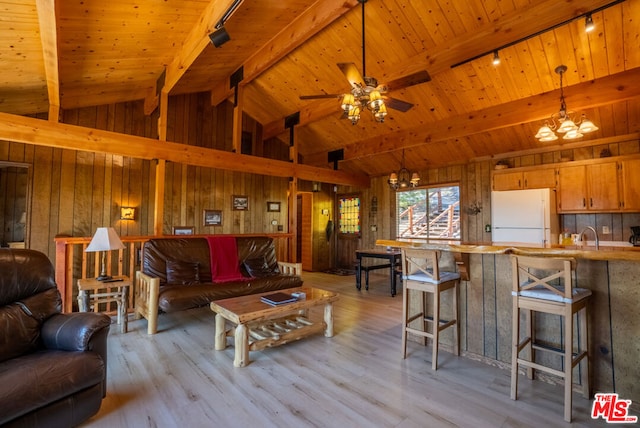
(196, 42)
(318, 16)
(604, 91)
(510, 28)
(59, 135)
(102, 95)
(48, 35)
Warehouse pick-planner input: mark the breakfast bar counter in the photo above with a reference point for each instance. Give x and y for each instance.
(588, 252)
(611, 272)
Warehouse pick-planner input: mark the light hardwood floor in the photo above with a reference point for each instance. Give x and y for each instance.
(355, 379)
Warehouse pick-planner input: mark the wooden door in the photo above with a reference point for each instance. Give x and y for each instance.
(572, 189)
(305, 230)
(603, 186)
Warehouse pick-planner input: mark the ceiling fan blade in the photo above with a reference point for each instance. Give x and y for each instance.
(397, 104)
(351, 72)
(320, 96)
(408, 80)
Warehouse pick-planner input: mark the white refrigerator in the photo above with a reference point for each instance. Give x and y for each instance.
(524, 217)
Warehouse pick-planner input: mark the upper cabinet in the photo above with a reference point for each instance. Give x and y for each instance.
(539, 178)
(591, 186)
(630, 183)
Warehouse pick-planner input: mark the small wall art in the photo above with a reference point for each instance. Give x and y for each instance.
(212, 218)
(240, 203)
(183, 230)
(273, 207)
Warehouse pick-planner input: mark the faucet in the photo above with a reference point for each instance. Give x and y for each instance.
(595, 233)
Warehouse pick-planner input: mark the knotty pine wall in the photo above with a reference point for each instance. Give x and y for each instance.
(74, 192)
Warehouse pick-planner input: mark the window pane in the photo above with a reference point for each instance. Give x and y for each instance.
(429, 213)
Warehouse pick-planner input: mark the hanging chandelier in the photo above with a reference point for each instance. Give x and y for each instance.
(404, 178)
(563, 122)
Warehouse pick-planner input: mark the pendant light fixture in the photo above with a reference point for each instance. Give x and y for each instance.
(403, 178)
(563, 122)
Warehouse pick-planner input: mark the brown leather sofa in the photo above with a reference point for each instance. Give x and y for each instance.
(53, 366)
(177, 274)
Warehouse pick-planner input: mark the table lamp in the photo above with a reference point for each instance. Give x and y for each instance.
(105, 239)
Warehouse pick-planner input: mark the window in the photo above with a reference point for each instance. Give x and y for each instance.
(349, 215)
(429, 213)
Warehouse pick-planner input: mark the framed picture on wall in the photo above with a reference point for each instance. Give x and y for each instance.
(212, 218)
(240, 203)
(183, 230)
(273, 207)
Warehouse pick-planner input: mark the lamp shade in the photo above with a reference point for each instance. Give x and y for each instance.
(105, 239)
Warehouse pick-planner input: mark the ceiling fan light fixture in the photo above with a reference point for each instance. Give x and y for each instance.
(375, 100)
(354, 114)
(348, 102)
(381, 113)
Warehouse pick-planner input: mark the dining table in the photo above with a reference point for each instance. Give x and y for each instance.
(386, 258)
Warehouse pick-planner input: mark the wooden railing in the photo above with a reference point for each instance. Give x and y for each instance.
(447, 216)
(73, 263)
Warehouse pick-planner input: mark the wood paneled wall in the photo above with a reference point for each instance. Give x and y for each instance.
(74, 192)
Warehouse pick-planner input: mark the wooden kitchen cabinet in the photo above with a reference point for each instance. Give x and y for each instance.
(544, 178)
(602, 186)
(572, 188)
(592, 187)
(630, 184)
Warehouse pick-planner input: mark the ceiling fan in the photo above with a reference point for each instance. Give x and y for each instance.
(365, 91)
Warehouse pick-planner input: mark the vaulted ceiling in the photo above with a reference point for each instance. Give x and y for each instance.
(77, 53)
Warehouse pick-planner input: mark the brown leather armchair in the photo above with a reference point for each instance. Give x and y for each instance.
(53, 366)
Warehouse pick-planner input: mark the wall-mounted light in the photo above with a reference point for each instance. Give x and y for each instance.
(316, 186)
(127, 213)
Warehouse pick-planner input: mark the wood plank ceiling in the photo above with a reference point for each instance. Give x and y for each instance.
(91, 52)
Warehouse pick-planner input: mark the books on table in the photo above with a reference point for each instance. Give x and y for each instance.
(278, 298)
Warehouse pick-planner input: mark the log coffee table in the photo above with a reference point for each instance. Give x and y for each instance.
(259, 325)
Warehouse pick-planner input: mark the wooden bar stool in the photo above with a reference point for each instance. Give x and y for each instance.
(420, 272)
(542, 284)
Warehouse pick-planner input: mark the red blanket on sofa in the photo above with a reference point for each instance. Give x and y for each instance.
(224, 258)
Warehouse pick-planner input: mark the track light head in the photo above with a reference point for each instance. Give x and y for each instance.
(219, 37)
(588, 23)
(496, 58)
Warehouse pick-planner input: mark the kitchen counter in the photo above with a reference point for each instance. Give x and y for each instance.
(628, 253)
(612, 273)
